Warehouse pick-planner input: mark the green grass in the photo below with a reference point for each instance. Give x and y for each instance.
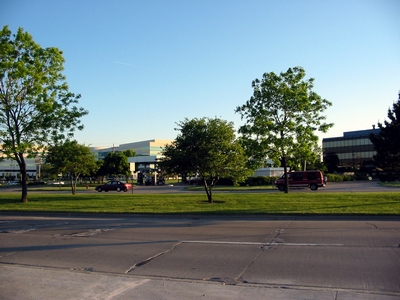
(224, 203)
(232, 188)
(391, 184)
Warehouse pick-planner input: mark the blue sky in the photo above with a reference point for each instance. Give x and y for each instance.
(143, 65)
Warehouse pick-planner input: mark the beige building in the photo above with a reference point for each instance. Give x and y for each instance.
(147, 153)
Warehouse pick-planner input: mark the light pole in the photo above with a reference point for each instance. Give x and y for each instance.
(38, 163)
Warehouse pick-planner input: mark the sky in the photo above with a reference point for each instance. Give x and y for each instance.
(142, 66)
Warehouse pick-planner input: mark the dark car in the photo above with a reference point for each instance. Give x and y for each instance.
(312, 179)
(114, 185)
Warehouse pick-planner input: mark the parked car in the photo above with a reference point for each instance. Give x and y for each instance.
(194, 180)
(149, 180)
(114, 185)
(13, 183)
(312, 179)
(56, 183)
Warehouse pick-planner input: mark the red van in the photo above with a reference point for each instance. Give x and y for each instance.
(312, 179)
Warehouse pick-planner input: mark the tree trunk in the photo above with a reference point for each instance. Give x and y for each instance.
(209, 195)
(208, 191)
(24, 184)
(73, 184)
(286, 174)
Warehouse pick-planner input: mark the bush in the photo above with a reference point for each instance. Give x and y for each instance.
(225, 181)
(36, 183)
(334, 178)
(348, 177)
(361, 176)
(259, 180)
(388, 176)
(250, 181)
(339, 178)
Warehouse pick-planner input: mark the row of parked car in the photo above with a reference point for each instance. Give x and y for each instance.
(38, 183)
(312, 179)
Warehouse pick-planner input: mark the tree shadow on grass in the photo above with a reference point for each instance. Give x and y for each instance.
(214, 202)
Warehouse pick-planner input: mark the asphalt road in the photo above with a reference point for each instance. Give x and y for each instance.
(331, 187)
(56, 256)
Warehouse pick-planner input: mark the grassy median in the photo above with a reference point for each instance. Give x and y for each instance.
(387, 203)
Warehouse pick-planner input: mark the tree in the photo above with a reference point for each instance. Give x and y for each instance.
(116, 163)
(331, 161)
(71, 158)
(281, 118)
(208, 149)
(46, 171)
(36, 105)
(303, 161)
(387, 143)
(129, 153)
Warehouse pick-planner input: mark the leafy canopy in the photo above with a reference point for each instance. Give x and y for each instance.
(71, 158)
(207, 148)
(116, 163)
(282, 116)
(36, 106)
(387, 142)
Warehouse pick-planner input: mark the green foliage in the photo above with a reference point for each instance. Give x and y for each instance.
(282, 117)
(47, 171)
(101, 170)
(361, 176)
(116, 163)
(260, 180)
(387, 144)
(129, 153)
(36, 107)
(71, 158)
(206, 147)
(249, 181)
(339, 178)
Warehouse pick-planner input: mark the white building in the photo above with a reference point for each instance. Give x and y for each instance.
(9, 169)
(147, 153)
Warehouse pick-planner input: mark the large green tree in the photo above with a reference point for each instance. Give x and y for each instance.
(71, 158)
(281, 118)
(207, 148)
(387, 143)
(36, 106)
(116, 163)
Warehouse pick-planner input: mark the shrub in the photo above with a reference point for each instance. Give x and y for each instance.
(388, 176)
(250, 181)
(259, 180)
(339, 178)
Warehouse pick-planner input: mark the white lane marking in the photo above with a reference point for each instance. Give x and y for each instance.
(122, 289)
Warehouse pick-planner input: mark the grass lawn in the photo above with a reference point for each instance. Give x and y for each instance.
(387, 203)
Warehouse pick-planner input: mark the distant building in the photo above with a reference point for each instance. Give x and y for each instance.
(269, 172)
(9, 169)
(147, 152)
(142, 148)
(352, 151)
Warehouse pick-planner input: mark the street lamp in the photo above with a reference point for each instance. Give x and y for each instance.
(38, 163)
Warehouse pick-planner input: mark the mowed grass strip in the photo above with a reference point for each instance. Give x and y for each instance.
(224, 203)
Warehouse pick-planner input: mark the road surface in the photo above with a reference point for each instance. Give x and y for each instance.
(60, 256)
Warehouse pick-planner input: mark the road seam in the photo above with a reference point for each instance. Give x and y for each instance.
(151, 258)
